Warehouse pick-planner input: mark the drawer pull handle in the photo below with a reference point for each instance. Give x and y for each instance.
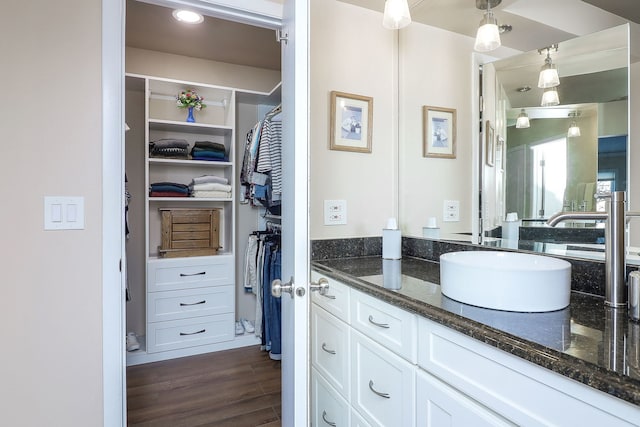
(324, 418)
(385, 395)
(202, 331)
(324, 347)
(202, 273)
(329, 296)
(185, 304)
(381, 325)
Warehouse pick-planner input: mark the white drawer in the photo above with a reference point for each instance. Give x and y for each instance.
(175, 334)
(188, 273)
(327, 407)
(172, 305)
(382, 384)
(390, 326)
(330, 349)
(357, 420)
(336, 300)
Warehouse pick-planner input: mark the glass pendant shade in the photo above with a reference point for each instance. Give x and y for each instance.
(550, 97)
(522, 122)
(488, 35)
(548, 75)
(574, 130)
(396, 14)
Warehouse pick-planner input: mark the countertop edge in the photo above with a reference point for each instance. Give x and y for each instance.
(579, 370)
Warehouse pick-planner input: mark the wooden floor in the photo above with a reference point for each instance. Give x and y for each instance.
(239, 387)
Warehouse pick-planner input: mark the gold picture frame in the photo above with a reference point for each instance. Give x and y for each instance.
(351, 122)
(439, 137)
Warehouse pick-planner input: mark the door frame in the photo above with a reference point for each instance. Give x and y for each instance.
(113, 250)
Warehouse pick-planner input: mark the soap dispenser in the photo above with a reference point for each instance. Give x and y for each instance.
(391, 240)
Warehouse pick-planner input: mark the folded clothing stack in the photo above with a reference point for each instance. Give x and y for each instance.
(209, 150)
(210, 186)
(169, 148)
(168, 189)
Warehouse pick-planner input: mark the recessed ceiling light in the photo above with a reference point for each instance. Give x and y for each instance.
(524, 89)
(187, 16)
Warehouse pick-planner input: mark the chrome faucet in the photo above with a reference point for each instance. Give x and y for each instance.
(615, 249)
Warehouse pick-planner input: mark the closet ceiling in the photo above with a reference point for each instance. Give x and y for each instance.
(154, 28)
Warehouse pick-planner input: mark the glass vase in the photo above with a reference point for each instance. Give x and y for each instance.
(190, 118)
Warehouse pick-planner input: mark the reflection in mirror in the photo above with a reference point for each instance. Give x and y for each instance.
(543, 169)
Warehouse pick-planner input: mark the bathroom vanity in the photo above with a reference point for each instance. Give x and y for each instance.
(389, 349)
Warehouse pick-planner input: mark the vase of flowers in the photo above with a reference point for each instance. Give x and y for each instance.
(190, 100)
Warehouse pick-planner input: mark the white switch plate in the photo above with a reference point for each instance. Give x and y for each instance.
(63, 213)
(335, 212)
(451, 211)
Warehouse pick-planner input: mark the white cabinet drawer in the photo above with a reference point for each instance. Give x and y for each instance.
(175, 334)
(188, 273)
(172, 305)
(440, 405)
(330, 352)
(390, 326)
(328, 409)
(336, 300)
(382, 384)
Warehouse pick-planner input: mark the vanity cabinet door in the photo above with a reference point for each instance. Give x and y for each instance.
(330, 352)
(440, 405)
(382, 384)
(328, 408)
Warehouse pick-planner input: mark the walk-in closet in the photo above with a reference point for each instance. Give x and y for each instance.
(203, 187)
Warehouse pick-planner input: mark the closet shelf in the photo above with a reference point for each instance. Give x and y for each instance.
(188, 199)
(186, 127)
(185, 162)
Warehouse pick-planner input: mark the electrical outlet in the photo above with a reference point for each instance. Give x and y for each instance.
(451, 211)
(335, 212)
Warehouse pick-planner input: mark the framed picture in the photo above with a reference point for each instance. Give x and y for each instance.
(490, 150)
(439, 137)
(351, 122)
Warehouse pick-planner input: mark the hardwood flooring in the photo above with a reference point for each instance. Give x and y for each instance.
(239, 387)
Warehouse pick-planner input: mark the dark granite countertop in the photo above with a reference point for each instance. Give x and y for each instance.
(587, 342)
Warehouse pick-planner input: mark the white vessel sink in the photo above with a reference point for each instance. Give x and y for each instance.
(506, 280)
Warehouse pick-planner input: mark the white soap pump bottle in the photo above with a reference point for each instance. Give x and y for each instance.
(391, 240)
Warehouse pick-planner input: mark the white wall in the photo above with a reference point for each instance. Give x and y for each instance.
(435, 70)
(51, 293)
(351, 52)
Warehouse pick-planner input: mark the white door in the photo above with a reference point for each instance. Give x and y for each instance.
(295, 214)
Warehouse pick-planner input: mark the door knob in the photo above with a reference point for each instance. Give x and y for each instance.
(277, 288)
(322, 286)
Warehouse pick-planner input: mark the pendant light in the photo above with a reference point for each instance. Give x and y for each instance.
(522, 122)
(548, 72)
(574, 129)
(550, 97)
(396, 14)
(488, 35)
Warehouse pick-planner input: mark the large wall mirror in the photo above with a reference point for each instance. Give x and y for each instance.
(542, 157)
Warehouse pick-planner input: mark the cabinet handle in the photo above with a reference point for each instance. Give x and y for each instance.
(202, 273)
(185, 304)
(381, 325)
(385, 395)
(324, 418)
(324, 347)
(329, 296)
(202, 331)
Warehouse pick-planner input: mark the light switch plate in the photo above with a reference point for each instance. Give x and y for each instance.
(335, 212)
(451, 211)
(63, 213)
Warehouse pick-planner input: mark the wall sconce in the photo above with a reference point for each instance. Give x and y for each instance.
(548, 72)
(522, 122)
(396, 14)
(574, 129)
(550, 97)
(488, 35)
